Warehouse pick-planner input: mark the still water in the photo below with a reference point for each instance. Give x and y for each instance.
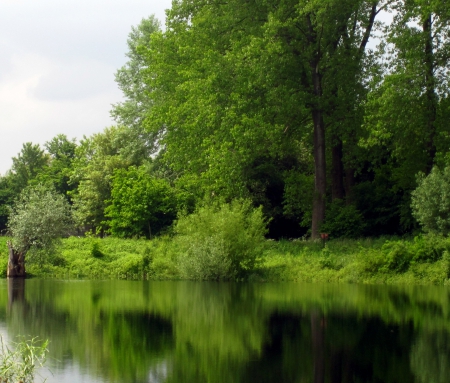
(132, 332)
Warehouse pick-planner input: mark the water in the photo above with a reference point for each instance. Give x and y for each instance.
(124, 331)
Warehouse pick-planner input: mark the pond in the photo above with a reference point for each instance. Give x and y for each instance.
(128, 331)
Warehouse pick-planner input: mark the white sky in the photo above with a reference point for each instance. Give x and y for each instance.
(57, 65)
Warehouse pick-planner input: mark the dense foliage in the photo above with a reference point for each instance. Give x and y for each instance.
(222, 242)
(38, 218)
(140, 203)
(431, 201)
(294, 106)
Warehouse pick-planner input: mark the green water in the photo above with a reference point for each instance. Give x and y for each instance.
(123, 331)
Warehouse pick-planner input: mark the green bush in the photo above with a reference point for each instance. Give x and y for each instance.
(430, 202)
(429, 248)
(343, 221)
(398, 256)
(220, 242)
(95, 250)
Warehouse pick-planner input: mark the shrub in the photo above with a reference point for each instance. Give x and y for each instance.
(220, 242)
(343, 221)
(95, 250)
(397, 256)
(430, 202)
(429, 248)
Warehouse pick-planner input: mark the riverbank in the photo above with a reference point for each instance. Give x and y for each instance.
(421, 260)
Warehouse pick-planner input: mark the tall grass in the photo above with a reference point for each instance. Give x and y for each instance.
(19, 361)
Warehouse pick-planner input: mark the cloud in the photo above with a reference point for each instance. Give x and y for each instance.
(57, 66)
(85, 78)
(25, 117)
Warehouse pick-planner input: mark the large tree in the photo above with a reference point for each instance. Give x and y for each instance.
(235, 81)
(131, 112)
(407, 110)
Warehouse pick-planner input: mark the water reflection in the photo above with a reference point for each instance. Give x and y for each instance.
(118, 331)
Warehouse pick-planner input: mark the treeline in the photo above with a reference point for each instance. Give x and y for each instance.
(293, 105)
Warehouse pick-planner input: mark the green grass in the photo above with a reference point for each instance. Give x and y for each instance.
(110, 258)
(419, 260)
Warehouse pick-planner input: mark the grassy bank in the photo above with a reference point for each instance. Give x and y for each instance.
(420, 260)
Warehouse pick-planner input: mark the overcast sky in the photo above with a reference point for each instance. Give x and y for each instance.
(57, 65)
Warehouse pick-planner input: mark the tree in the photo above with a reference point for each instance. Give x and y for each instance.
(431, 201)
(61, 153)
(235, 81)
(7, 196)
(39, 217)
(96, 159)
(132, 111)
(406, 113)
(27, 165)
(140, 205)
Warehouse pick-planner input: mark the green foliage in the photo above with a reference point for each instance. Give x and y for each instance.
(422, 260)
(140, 205)
(220, 242)
(431, 201)
(130, 80)
(95, 249)
(96, 159)
(397, 256)
(7, 195)
(298, 195)
(343, 221)
(19, 361)
(57, 174)
(378, 199)
(429, 248)
(39, 217)
(27, 165)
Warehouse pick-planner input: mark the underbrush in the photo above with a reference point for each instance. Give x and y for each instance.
(419, 260)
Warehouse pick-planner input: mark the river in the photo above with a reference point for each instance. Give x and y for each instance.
(132, 332)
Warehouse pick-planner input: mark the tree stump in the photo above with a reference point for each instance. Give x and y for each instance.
(16, 263)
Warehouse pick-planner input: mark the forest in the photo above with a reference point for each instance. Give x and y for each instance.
(315, 116)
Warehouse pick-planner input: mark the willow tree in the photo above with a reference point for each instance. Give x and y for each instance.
(39, 217)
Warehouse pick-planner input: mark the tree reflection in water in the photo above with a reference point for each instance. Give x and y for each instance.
(119, 331)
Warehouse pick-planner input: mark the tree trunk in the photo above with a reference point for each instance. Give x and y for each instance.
(16, 263)
(320, 183)
(430, 92)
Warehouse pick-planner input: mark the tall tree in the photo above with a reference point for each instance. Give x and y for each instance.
(61, 152)
(233, 79)
(96, 159)
(26, 166)
(407, 110)
(129, 78)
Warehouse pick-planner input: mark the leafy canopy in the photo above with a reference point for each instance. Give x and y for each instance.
(431, 201)
(39, 217)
